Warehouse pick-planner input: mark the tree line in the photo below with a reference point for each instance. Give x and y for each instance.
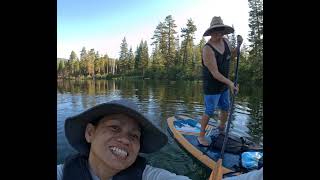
(172, 57)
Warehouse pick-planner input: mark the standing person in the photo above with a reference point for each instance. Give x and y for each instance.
(216, 57)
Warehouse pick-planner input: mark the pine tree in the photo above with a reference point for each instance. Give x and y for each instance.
(130, 60)
(178, 58)
(90, 62)
(83, 66)
(70, 63)
(233, 42)
(256, 39)
(157, 59)
(76, 68)
(256, 25)
(187, 44)
(137, 59)
(198, 56)
(165, 41)
(61, 68)
(159, 38)
(106, 63)
(144, 57)
(83, 53)
(97, 64)
(169, 27)
(123, 57)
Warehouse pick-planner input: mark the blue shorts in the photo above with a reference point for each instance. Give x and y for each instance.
(212, 102)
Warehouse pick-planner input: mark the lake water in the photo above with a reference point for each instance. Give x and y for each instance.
(159, 100)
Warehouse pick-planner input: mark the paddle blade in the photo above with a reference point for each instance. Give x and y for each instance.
(217, 173)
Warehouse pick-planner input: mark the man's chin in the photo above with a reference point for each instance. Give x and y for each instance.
(120, 165)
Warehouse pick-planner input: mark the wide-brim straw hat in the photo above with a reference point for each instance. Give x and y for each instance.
(217, 25)
(152, 138)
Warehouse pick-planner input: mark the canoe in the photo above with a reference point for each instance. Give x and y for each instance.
(185, 131)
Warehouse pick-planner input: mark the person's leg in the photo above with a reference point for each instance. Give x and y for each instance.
(223, 119)
(204, 121)
(210, 102)
(224, 105)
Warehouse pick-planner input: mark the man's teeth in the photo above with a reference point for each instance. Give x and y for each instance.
(119, 152)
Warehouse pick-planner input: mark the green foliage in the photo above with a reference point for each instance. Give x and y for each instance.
(61, 68)
(98, 76)
(169, 58)
(130, 60)
(188, 44)
(83, 53)
(124, 57)
(256, 38)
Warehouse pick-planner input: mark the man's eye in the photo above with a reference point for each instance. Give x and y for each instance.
(134, 136)
(114, 128)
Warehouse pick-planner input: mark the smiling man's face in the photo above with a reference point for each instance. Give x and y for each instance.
(115, 141)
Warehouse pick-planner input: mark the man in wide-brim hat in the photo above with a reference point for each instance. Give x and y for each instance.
(216, 57)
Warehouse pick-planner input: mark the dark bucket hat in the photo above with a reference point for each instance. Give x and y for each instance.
(152, 137)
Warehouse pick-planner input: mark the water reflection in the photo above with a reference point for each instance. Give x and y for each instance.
(159, 100)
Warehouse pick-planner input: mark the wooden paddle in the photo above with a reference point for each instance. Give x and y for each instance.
(217, 172)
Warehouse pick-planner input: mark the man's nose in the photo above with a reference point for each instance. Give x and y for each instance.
(124, 138)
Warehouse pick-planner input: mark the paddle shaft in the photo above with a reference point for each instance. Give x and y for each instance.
(232, 104)
(217, 172)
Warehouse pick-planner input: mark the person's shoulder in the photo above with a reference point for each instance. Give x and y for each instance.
(207, 49)
(207, 53)
(152, 173)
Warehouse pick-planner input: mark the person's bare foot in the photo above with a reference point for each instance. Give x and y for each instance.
(202, 141)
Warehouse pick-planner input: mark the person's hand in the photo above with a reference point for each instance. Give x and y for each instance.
(234, 89)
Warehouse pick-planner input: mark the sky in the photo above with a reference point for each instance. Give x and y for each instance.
(102, 24)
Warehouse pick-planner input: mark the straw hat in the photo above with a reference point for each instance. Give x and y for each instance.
(217, 25)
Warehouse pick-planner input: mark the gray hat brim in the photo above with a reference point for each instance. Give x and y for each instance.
(227, 29)
(152, 138)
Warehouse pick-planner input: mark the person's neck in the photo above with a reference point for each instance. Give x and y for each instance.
(100, 169)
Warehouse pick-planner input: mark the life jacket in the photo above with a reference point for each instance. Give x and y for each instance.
(76, 168)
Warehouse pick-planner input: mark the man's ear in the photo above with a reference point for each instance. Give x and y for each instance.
(90, 130)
